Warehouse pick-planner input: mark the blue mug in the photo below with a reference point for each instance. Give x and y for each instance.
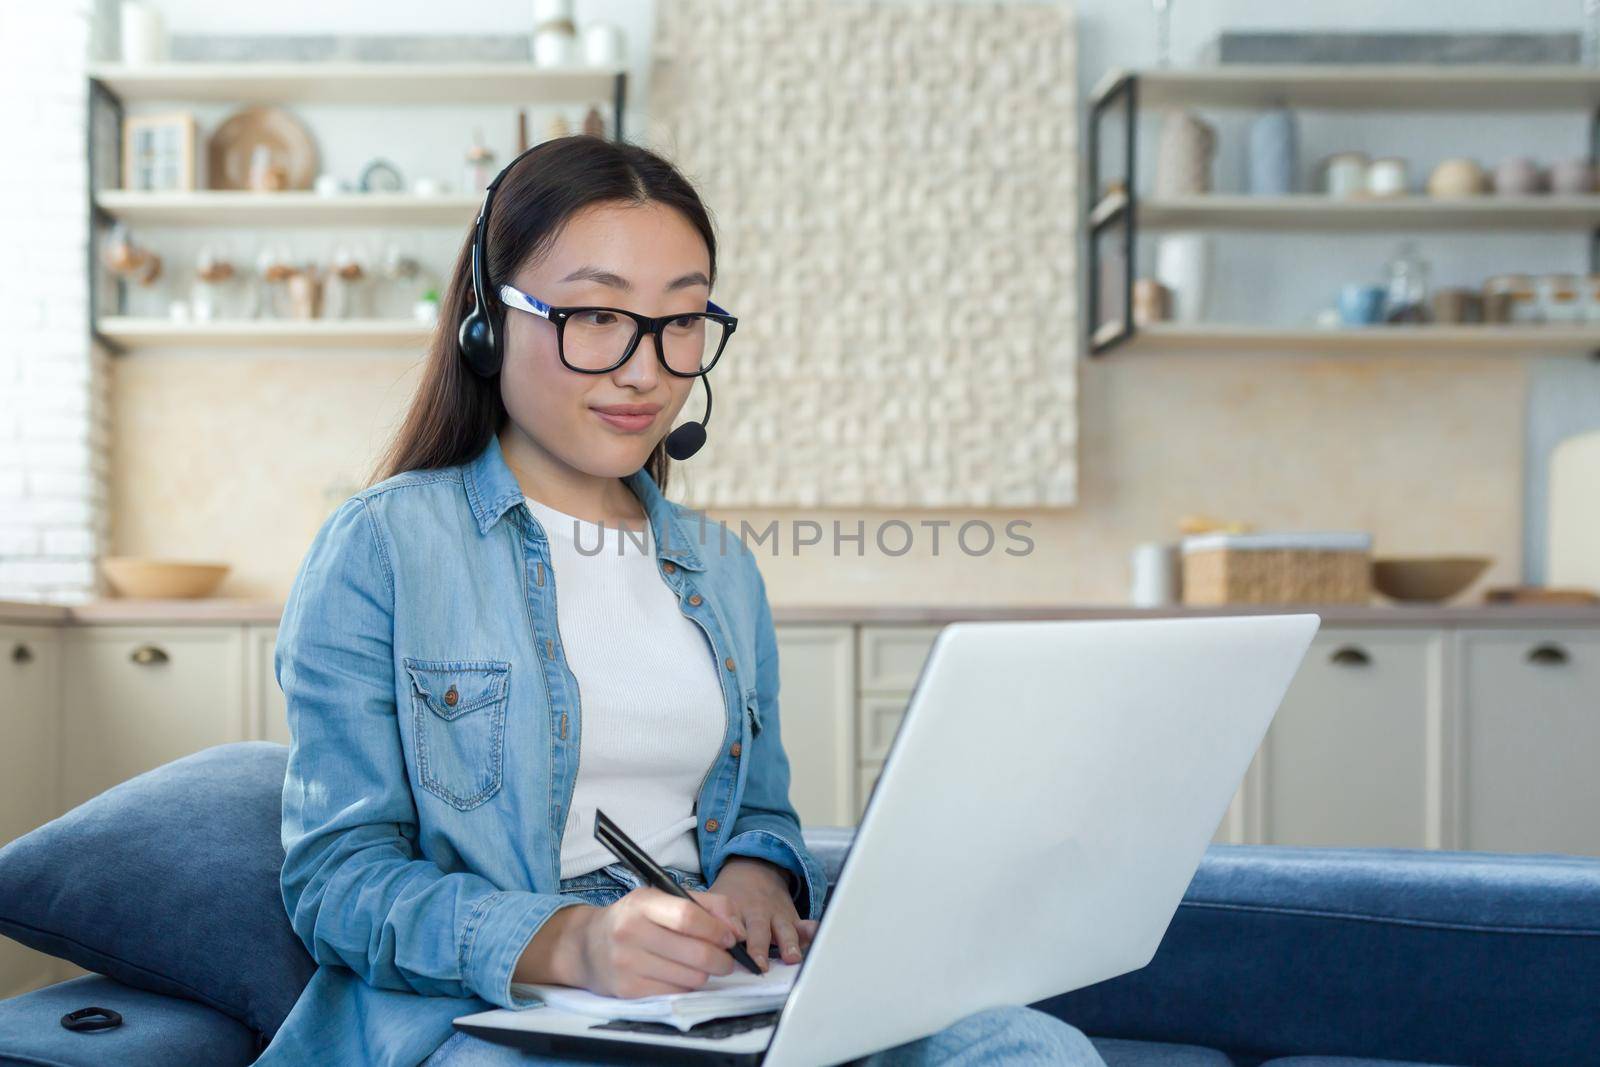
(1361, 305)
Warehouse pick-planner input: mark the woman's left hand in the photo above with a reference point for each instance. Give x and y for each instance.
(759, 892)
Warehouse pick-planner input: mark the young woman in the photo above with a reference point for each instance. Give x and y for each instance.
(456, 723)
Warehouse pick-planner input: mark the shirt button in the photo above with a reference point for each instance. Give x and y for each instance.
(711, 826)
(735, 749)
(669, 566)
(451, 696)
(695, 599)
(728, 663)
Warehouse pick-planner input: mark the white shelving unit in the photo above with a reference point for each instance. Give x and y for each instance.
(1540, 340)
(1393, 87)
(358, 83)
(130, 334)
(289, 208)
(1311, 211)
(112, 86)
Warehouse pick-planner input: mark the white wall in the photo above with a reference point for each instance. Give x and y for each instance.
(53, 410)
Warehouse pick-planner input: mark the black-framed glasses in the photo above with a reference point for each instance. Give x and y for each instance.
(597, 340)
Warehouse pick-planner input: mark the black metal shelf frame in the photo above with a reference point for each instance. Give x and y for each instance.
(1125, 89)
(103, 100)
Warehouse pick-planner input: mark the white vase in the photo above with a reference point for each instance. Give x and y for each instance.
(603, 45)
(1183, 265)
(144, 37)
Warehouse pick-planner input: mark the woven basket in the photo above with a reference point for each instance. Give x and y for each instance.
(1273, 569)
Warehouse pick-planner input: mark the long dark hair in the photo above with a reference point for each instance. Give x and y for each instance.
(454, 412)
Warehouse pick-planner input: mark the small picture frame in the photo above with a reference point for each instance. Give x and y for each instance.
(158, 152)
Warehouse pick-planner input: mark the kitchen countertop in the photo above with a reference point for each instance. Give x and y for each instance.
(226, 610)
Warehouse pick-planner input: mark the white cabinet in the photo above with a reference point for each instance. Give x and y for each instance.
(1389, 736)
(1433, 736)
(891, 659)
(30, 699)
(816, 710)
(866, 777)
(1529, 739)
(877, 721)
(1352, 757)
(30, 678)
(892, 656)
(136, 696)
(1241, 822)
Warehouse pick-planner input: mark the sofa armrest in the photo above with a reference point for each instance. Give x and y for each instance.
(1455, 957)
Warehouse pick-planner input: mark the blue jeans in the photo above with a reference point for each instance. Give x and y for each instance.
(1013, 1034)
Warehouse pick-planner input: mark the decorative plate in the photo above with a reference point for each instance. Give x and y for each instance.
(289, 145)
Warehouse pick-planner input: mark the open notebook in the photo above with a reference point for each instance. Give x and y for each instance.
(739, 993)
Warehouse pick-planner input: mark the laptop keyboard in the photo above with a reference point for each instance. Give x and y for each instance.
(713, 1028)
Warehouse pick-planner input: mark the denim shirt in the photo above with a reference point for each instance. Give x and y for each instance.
(435, 730)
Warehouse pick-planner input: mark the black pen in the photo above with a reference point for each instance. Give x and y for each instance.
(609, 835)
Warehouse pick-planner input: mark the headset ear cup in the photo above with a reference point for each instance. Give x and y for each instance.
(477, 340)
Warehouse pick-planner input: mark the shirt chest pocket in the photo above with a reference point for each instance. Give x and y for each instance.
(458, 717)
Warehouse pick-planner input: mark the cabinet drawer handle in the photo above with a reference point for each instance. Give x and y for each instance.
(21, 654)
(1548, 654)
(147, 654)
(1350, 656)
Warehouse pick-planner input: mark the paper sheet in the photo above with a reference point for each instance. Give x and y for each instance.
(739, 993)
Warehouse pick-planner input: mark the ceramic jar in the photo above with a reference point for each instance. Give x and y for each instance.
(1345, 174)
(1518, 176)
(1572, 177)
(1456, 177)
(1387, 177)
(1184, 155)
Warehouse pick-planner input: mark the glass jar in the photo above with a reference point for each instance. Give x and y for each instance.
(1559, 298)
(1406, 296)
(1524, 305)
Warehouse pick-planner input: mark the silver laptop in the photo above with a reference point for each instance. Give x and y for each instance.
(1043, 806)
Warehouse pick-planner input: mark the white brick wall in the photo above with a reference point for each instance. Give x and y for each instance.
(54, 429)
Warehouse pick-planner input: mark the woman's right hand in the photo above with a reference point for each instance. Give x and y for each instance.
(650, 942)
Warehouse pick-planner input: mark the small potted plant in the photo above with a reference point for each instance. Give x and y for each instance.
(426, 309)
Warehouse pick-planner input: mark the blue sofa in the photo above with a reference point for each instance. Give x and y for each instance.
(1290, 956)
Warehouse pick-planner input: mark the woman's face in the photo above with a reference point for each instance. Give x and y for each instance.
(642, 257)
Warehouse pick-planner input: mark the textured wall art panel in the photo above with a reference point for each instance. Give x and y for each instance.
(894, 191)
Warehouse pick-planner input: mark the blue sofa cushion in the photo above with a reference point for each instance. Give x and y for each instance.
(1440, 957)
(1120, 1052)
(156, 1030)
(1342, 1061)
(169, 882)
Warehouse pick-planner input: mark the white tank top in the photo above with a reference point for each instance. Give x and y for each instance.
(650, 700)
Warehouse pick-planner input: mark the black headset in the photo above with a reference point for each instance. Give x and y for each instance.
(480, 339)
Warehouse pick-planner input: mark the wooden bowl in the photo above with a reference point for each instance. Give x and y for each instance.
(1427, 579)
(162, 579)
